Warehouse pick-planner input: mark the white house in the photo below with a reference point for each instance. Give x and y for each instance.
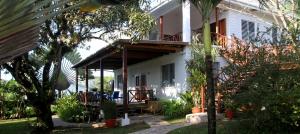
(164, 71)
(166, 75)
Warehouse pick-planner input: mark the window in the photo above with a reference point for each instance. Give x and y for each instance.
(137, 81)
(248, 30)
(168, 75)
(216, 69)
(119, 82)
(275, 35)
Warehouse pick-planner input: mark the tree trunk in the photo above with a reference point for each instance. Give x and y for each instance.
(211, 110)
(44, 118)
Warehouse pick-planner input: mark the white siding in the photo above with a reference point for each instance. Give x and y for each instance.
(152, 70)
(234, 22)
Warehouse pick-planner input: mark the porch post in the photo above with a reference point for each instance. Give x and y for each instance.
(161, 27)
(76, 80)
(217, 23)
(186, 21)
(86, 85)
(101, 82)
(125, 120)
(125, 99)
(202, 99)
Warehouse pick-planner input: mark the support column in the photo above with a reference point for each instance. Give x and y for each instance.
(125, 120)
(217, 23)
(186, 21)
(76, 80)
(161, 27)
(101, 82)
(86, 85)
(186, 32)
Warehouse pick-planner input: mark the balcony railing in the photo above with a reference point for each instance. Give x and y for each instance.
(140, 94)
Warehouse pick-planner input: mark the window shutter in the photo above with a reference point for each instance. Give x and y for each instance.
(274, 35)
(244, 30)
(172, 74)
(251, 30)
(248, 30)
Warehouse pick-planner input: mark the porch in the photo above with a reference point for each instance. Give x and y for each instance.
(119, 55)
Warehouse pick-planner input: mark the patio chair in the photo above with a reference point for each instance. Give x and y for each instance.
(115, 95)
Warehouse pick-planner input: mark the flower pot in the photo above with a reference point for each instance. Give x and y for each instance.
(229, 114)
(110, 123)
(196, 110)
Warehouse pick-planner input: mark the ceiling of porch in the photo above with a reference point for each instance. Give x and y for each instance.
(140, 51)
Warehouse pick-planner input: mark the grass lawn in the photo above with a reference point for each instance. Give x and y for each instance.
(22, 126)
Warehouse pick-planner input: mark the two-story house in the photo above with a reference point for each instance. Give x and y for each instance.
(159, 62)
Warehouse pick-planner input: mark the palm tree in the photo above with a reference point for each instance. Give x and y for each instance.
(206, 7)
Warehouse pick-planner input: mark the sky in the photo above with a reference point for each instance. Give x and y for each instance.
(95, 45)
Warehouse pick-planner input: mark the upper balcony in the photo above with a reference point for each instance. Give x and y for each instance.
(175, 23)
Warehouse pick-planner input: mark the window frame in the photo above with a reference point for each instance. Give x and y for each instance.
(168, 77)
(250, 31)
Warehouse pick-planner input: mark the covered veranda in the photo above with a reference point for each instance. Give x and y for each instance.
(121, 54)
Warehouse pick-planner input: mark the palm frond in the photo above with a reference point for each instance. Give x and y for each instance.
(20, 21)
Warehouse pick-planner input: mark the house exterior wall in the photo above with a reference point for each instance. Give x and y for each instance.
(172, 25)
(153, 71)
(235, 18)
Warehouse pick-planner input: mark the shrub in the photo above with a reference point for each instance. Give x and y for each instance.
(110, 110)
(68, 108)
(187, 98)
(264, 85)
(29, 112)
(175, 108)
(54, 109)
(12, 100)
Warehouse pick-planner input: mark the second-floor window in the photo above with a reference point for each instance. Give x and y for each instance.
(168, 75)
(248, 30)
(275, 35)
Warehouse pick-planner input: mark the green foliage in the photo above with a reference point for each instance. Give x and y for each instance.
(263, 83)
(107, 80)
(54, 109)
(177, 108)
(139, 24)
(174, 108)
(68, 107)
(187, 98)
(29, 112)
(196, 65)
(110, 110)
(12, 100)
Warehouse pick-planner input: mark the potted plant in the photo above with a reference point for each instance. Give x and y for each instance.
(197, 102)
(110, 113)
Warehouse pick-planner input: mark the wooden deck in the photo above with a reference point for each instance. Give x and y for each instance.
(133, 109)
